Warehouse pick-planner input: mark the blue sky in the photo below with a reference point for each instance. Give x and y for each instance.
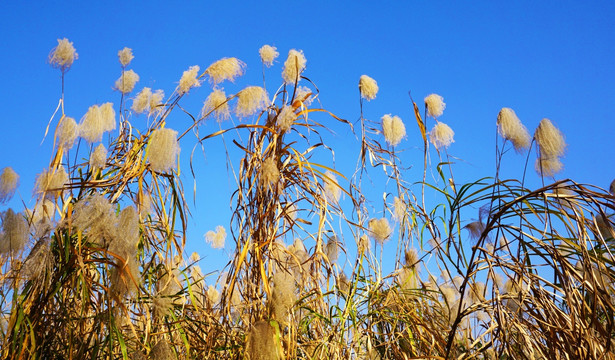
(543, 59)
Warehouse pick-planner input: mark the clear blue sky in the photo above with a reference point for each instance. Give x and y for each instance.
(549, 59)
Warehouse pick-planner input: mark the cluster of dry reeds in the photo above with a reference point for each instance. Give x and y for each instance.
(97, 268)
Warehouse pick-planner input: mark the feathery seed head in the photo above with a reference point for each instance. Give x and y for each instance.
(251, 100)
(268, 54)
(63, 55)
(546, 166)
(161, 351)
(125, 56)
(343, 283)
(189, 80)
(363, 244)
(407, 278)
(216, 239)
(399, 208)
(476, 229)
(293, 66)
(213, 295)
(9, 180)
(380, 229)
(39, 262)
(108, 116)
(92, 125)
(94, 216)
(393, 129)
(449, 294)
(163, 150)
(435, 105)
(263, 342)
(511, 128)
(368, 87)
(225, 69)
(332, 249)
(498, 281)
(302, 93)
(51, 181)
(42, 213)
(441, 135)
(411, 256)
(67, 132)
(155, 102)
(14, 232)
(142, 100)
(127, 232)
(286, 117)
(98, 159)
(126, 82)
(333, 192)
(550, 140)
(217, 104)
(283, 297)
(270, 173)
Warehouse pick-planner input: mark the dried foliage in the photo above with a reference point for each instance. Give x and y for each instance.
(97, 269)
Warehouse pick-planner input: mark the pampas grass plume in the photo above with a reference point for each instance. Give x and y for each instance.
(368, 87)
(268, 54)
(127, 81)
(269, 172)
(68, 131)
(216, 103)
(285, 120)
(511, 128)
(142, 100)
(549, 139)
(283, 297)
(127, 232)
(213, 295)
(96, 121)
(9, 180)
(411, 257)
(189, 80)
(548, 166)
(302, 93)
(293, 66)
(332, 188)
(125, 56)
(51, 181)
(63, 55)
(98, 158)
(251, 100)
(14, 232)
(225, 69)
(332, 249)
(441, 135)
(155, 101)
(399, 208)
(163, 150)
(92, 127)
(435, 105)
(161, 351)
(263, 342)
(551, 146)
(108, 116)
(393, 129)
(95, 217)
(216, 239)
(380, 229)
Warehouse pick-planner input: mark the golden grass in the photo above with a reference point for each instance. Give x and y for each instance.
(76, 293)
